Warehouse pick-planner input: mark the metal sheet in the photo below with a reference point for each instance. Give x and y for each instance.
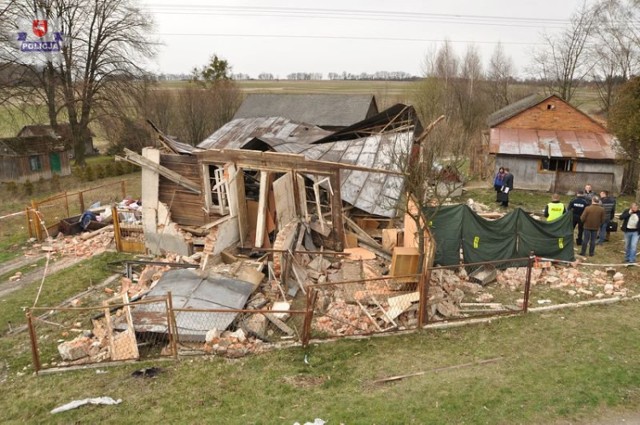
(189, 290)
(556, 144)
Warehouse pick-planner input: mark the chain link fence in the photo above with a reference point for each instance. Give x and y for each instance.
(114, 331)
(153, 328)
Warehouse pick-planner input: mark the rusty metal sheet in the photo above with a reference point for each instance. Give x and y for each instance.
(555, 144)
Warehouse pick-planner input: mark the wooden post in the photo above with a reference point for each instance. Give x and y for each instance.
(66, 203)
(116, 228)
(34, 208)
(81, 198)
(34, 343)
(336, 210)
(27, 213)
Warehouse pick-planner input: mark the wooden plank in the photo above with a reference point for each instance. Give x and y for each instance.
(303, 198)
(285, 201)
(262, 209)
(138, 159)
(237, 200)
(390, 238)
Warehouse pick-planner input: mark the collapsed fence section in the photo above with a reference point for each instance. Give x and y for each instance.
(114, 331)
(154, 328)
(235, 333)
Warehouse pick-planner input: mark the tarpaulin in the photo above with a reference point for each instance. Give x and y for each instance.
(515, 235)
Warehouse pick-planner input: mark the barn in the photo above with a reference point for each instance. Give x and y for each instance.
(552, 146)
(327, 111)
(33, 158)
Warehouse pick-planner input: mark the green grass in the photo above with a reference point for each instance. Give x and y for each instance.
(566, 365)
(556, 367)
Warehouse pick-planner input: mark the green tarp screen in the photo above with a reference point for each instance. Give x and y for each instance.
(513, 236)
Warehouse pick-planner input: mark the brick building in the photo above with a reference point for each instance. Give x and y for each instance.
(550, 145)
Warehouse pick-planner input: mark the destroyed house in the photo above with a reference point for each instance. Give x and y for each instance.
(327, 111)
(253, 176)
(550, 145)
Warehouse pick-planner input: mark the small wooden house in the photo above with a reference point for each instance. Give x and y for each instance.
(32, 158)
(61, 131)
(550, 145)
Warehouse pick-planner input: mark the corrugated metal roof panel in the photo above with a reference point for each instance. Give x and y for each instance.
(557, 144)
(235, 134)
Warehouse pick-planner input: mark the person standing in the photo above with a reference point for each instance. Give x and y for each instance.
(577, 206)
(609, 205)
(554, 209)
(592, 218)
(630, 226)
(507, 186)
(498, 181)
(588, 192)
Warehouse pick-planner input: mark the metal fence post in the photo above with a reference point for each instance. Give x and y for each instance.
(34, 343)
(312, 295)
(527, 283)
(172, 326)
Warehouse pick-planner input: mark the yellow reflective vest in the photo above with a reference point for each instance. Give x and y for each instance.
(555, 210)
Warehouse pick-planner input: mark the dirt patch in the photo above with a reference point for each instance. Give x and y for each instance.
(304, 381)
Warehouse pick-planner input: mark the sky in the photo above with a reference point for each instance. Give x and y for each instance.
(282, 37)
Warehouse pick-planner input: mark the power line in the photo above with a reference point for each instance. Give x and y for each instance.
(338, 37)
(359, 14)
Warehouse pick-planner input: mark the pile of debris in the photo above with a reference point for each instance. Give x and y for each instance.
(82, 245)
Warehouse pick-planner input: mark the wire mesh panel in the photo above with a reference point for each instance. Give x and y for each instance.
(481, 289)
(235, 333)
(64, 337)
(64, 209)
(363, 307)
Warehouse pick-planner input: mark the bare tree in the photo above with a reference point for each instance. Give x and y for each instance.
(614, 51)
(105, 46)
(563, 63)
(196, 111)
(499, 76)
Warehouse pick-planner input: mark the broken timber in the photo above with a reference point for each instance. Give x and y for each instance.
(141, 161)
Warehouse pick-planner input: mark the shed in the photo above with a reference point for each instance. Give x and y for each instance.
(327, 111)
(550, 145)
(61, 131)
(32, 158)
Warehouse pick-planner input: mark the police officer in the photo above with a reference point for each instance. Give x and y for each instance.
(554, 209)
(577, 206)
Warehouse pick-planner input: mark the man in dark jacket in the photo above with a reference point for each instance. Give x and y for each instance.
(592, 218)
(507, 186)
(577, 206)
(631, 228)
(609, 205)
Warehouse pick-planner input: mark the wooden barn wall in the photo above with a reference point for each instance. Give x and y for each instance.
(17, 169)
(528, 176)
(186, 207)
(552, 114)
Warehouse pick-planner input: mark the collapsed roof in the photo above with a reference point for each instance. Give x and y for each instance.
(324, 110)
(375, 143)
